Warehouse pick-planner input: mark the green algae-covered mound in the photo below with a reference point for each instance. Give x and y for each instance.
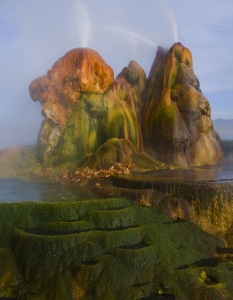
(107, 249)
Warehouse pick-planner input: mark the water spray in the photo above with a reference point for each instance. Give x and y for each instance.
(169, 14)
(83, 23)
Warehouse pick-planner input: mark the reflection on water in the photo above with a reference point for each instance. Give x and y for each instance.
(220, 172)
(16, 190)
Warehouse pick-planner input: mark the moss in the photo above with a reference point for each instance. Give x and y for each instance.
(105, 249)
(165, 115)
(9, 275)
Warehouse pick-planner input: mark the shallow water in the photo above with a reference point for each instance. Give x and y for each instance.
(16, 190)
(219, 172)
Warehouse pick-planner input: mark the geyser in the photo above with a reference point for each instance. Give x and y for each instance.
(92, 119)
(134, 36)
(83, 23)
(169, 13)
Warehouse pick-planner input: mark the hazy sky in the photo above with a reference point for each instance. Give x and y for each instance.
(35, 33)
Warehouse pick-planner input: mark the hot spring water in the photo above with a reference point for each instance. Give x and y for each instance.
(16, 190)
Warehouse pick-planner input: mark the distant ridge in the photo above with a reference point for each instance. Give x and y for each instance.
(224, 128)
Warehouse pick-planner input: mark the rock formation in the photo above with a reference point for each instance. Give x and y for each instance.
(84, 108)
(176, 121)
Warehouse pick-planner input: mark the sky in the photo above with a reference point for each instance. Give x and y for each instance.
(35, 33)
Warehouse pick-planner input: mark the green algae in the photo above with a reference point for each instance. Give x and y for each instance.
(105, 249)
(164, 115)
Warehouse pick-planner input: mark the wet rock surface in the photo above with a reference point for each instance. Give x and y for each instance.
(206, 203)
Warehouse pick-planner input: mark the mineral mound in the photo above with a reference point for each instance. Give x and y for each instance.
(176, 121)
(85, 111)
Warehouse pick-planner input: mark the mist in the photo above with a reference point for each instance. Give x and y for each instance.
(35, 34)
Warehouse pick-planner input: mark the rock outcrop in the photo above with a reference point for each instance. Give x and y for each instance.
(167, 116)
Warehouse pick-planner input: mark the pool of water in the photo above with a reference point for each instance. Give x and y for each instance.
(220, 172)
(16, 190)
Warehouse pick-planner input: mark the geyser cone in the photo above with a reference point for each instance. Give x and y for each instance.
(84, 107)
(176, 121)
(71, 99)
